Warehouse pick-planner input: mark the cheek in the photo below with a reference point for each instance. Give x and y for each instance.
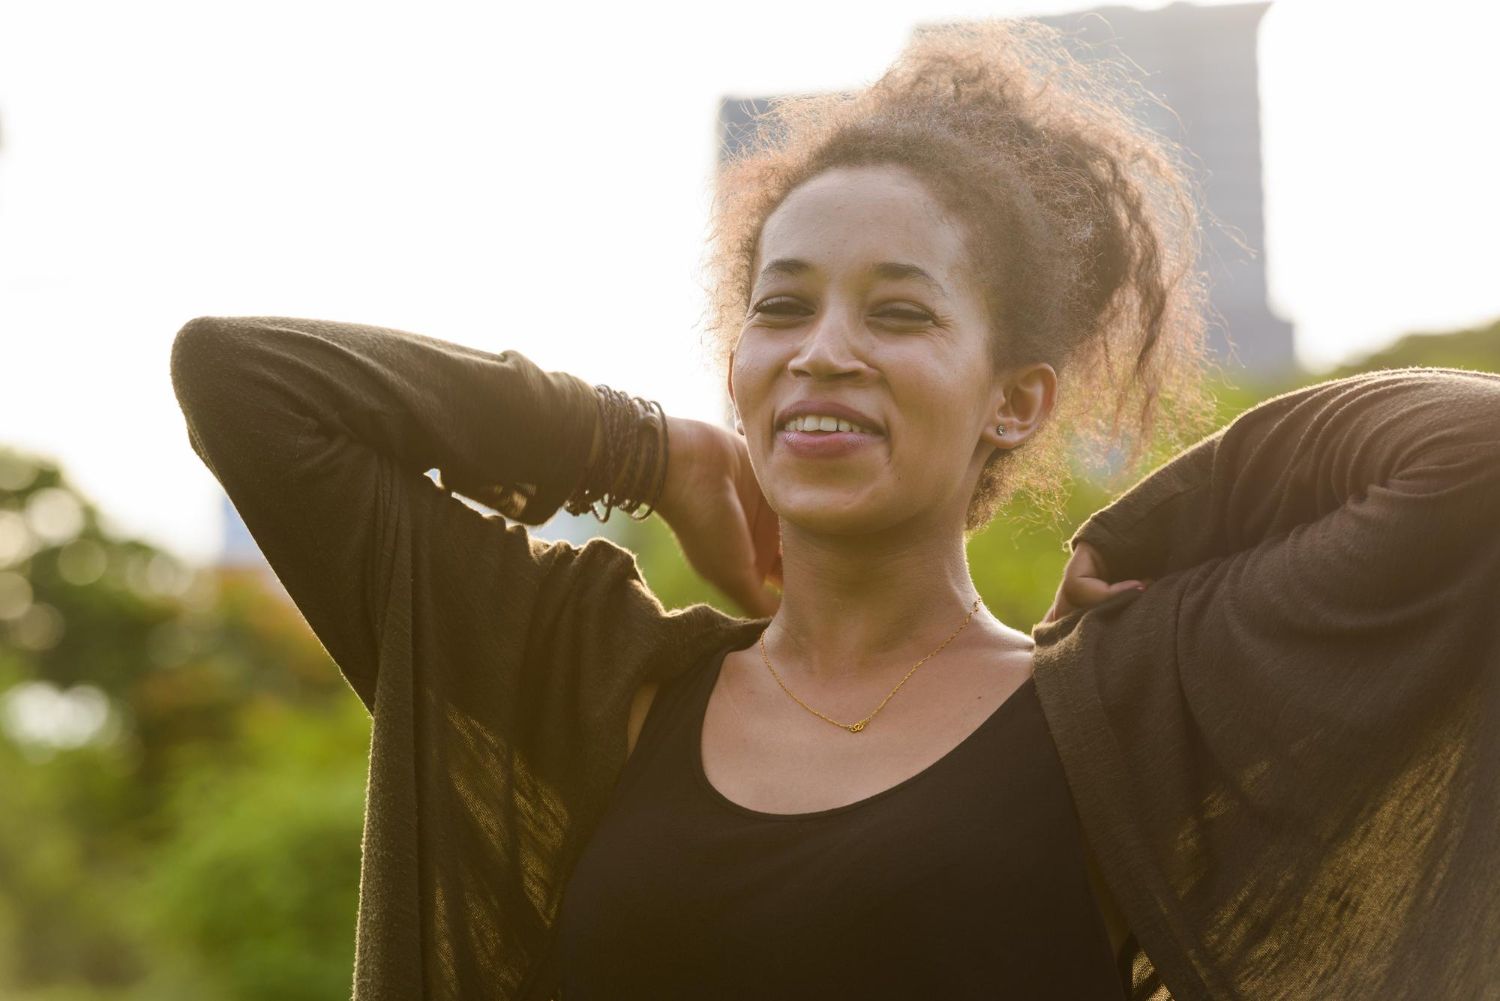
(750, 378)
(937, 440)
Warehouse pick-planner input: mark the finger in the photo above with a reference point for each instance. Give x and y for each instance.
(757, 600)
(1082, 591)
(766, 533)
(771, 563)
(748, 566)
(765, 555)
(1088, 564)
(1085, 592)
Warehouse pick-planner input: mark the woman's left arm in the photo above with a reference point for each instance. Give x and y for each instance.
(1284, 749)
(1380, 482)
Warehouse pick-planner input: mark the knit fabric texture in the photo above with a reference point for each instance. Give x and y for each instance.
(1284, 753)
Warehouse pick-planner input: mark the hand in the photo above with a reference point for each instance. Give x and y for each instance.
(715, 507)
(1086, 583)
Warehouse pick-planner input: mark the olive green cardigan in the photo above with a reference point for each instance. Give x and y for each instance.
(1285, 753)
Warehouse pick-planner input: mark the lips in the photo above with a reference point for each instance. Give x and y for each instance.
(825, 444)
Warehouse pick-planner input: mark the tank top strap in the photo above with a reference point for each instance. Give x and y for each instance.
(664, 747)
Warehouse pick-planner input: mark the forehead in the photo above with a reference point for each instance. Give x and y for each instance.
(850, 217)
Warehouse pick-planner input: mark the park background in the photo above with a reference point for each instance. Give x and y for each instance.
(181, 767)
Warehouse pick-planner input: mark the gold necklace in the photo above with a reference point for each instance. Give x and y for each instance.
(860, 724)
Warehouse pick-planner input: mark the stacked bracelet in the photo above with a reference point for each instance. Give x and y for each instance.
(632, 462)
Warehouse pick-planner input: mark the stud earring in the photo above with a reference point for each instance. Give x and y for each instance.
(999, 428)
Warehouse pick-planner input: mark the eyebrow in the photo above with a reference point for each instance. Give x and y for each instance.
(889, 270)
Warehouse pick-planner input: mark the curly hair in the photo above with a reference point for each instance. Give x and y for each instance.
(1082, 228)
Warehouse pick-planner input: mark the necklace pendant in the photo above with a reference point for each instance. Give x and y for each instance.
(856, 727)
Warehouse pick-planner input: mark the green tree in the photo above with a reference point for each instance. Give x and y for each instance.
(222, 742)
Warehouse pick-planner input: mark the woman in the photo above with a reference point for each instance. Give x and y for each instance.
(1261, 776)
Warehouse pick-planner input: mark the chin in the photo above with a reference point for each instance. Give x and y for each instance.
(830, 514)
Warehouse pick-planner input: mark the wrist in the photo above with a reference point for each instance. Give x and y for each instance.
(596, 444)
(624, 464)
(682, 436)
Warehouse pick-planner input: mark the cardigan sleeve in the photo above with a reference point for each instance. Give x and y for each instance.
(321, 433)
(498, 669)
(1357, 492)
(1280, 749)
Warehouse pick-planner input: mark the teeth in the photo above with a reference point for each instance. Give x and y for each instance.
(817, 422)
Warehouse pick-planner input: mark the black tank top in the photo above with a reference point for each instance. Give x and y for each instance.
(966, 880)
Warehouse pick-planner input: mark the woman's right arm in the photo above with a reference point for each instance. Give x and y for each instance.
(321, 433)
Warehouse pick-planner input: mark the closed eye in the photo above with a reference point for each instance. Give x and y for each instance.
(907, 314)
(776, 307)
(785, 307)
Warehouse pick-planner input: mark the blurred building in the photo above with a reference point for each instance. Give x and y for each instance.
(1200, 61)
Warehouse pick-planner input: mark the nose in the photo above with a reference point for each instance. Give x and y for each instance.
(829, 348)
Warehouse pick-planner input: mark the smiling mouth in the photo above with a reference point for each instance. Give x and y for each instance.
(816, 424)
(830, 434)
(825, 444)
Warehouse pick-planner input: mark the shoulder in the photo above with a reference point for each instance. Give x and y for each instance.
(646, 694)
(722, 634)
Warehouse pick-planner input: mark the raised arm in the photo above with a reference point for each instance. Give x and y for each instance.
(321, 433)
(499, 670)
(1283, 750)
(1375, 480)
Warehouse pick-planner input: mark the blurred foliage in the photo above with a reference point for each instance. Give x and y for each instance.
(1477, 349)
(198, 837)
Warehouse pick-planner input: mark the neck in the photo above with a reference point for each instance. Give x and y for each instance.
(863, 607)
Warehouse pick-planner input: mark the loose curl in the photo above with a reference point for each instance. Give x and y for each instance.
(1082, 228)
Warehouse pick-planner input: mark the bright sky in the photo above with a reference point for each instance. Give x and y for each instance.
(536, 177)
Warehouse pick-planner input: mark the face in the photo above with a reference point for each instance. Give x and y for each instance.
(860, 296)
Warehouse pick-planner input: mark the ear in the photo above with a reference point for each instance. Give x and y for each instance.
(1026, 398)
(739, 424)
